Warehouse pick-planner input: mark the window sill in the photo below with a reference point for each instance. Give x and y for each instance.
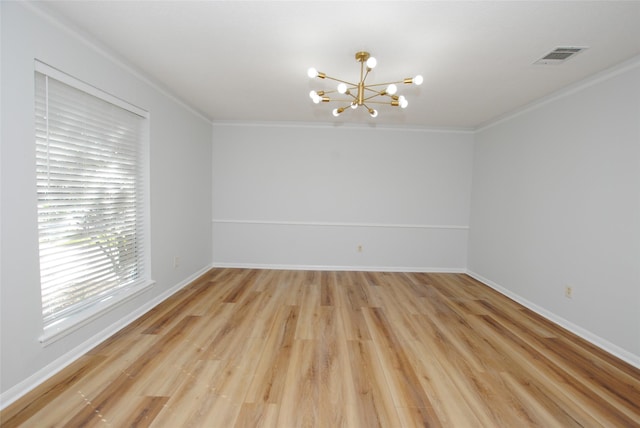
(68, 325)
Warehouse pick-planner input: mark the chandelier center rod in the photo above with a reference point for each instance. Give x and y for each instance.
(361, 57)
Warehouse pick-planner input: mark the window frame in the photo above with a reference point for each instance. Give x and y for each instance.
(77, 319)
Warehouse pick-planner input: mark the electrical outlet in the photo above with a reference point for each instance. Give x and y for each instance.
(568, 291)
(360, 248)
(176, 262)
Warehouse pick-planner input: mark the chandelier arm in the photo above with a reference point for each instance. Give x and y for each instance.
(355, 85)
(378, 102)
(365, 76)
(348, 91)
(377, 94)
(372, 112)
(346, 100)
(384, 84)
(341, 100)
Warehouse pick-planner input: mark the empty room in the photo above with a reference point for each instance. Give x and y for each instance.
(320, 213)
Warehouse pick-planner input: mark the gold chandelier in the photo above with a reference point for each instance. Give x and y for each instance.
(362, 94)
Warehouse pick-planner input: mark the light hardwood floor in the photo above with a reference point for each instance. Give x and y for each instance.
(260, 348)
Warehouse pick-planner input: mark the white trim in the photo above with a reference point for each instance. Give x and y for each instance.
(85, 87)
(562, 93)
(14, 393)
(607, 346)
(338, 268)
(339, 224)
(68, 325)
(333, 125)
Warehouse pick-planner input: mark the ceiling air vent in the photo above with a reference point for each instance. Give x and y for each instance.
(559, 55)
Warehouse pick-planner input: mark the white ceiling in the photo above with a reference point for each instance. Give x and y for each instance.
(247, 60)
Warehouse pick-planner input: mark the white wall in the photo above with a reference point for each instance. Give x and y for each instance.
(556, 202)
(308, 196)
(180, 166)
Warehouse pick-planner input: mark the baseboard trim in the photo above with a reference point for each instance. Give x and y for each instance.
(14, 393)
(341, 225)
(339, 268)
(605, 345)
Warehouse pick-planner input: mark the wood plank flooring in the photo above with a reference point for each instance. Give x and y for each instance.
(265, 348)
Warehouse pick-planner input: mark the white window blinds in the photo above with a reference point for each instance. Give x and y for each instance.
(91, 164)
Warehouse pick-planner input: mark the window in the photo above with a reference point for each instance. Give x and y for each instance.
(91, 164)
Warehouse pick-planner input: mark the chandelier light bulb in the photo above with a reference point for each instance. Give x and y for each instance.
(342, 88)
(403, 101)
(392, 89)
(336, 113)
(418, 80)
(373, 113)
(354, 105)
(315, 97)
(372, 62)
(312, 73)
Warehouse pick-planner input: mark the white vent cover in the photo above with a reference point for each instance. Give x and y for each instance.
(559, 55)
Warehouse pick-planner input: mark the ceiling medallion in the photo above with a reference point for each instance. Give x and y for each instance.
(362, 94)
